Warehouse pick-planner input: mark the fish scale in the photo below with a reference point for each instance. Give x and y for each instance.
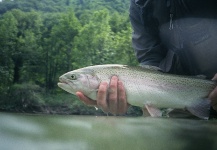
(145, 86)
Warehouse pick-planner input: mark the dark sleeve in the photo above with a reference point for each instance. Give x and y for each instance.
(145, 38)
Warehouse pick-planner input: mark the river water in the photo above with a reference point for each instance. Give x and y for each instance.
(58, 132)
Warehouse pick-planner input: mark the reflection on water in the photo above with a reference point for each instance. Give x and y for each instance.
(33, 132)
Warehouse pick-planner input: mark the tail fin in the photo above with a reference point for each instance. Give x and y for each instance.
(200, 108)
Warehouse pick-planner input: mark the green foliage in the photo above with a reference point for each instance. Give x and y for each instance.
(59, 50)
(20, 96)
(64, 5)
(40, 40)
(95, 39)
(66, 103)
(8, 31)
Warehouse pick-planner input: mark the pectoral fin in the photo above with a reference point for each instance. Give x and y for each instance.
(145, 112)
(153, 111)
(200, 108)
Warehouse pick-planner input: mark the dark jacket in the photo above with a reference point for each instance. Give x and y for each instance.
(179, 36)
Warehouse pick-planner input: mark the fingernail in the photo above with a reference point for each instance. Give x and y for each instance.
(120, 83)
(104, 83)
(114, 77)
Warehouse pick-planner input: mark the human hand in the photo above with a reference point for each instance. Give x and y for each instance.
(110, 98)
(213, 95)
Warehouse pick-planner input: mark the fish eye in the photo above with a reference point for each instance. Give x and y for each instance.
(73, 77)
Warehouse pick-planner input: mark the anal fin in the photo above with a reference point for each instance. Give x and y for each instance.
(153, 111)
(145, 112)
(200, 108)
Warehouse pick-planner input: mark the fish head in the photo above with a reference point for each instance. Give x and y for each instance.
(79, 81)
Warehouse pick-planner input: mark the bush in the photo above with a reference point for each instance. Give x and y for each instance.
(20, 96)
(65, 103)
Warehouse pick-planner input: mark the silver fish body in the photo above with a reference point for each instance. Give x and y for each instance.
(143, 86)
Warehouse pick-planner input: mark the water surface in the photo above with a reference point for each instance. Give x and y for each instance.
(55, 132)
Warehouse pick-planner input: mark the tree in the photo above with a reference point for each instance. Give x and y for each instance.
(95, 39)
(8, 33)
(60, 48)
(25, 49)
(123, 47)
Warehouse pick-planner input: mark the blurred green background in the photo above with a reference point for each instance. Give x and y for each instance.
(40, 40)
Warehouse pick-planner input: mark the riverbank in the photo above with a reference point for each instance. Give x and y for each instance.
(29, 98)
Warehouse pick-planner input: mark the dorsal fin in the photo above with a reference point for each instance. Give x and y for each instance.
(154, 68)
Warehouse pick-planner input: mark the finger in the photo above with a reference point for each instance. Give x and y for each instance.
(122, 99)
(85, 99)
(214, 107)
(215, 77)
(213, 98)
(113, 95)
(213, 95)
(101, 97)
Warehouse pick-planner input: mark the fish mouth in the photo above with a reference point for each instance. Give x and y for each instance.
(63, 84)
(62, 81)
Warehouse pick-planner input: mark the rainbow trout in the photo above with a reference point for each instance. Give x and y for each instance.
(145, 87)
